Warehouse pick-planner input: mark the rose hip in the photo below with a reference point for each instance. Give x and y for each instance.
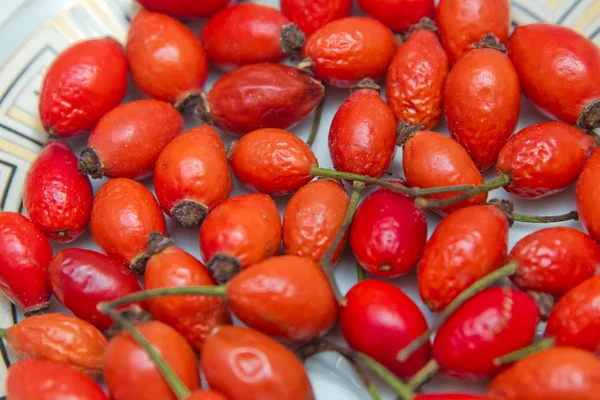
(59, 338)
(311, 15)
(84, 82)
(80, 279)
(557, 373)
(559, 70)
(276, 373)
(449, 396)
(575, 319)
(130, 373)
(260, 96)
(312, 218)
(25, 255)
(463, 23)
(57, 196)
(240, 232)
(482, 101)
(362, 136)
(45, 380)
(167, 60)
(347, 50)
(191, 176)
(415, 80)
(125, 213)
(185, 8)
(249, 33)
(388, 234)
(398, 15)
(272, 161)
(379, 320)
(587, 195)
(129, 139)
(194, 317)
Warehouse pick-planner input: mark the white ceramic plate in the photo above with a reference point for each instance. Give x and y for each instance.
(33, 32)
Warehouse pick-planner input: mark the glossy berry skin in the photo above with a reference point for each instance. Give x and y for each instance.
(276, 373)
(312, 218)
(194, 317)
(130, 373)
(414, 85)
(544, 159)
(463, 23)
(431, 159)
(167, 60)
(362, 136)
(286, 297)
(575, 318)
(59, 338)
(349, 49)
(144, 125)
(57, 196)
(466, 246)
(84, 82)
(388, 234)
(247, 33)
(398, 15)
(25, 255)
(246, 228)
(311, 15)
(554, 374)
(380, 310)
(205, 395)
(45, 380)
(491, 324)
(554, 260)
(125, 213)
(587, 194)
(80, 279)
(192, 168)
(482, 101)
(273, 161)
(186, 9)
(449, 396)
(261, 96)
(567, 74)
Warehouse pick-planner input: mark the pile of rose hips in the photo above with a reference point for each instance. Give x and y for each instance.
(464, 65)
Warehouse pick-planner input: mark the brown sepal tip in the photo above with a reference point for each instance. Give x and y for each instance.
(189, 213)
(135, 315)
(189, 102)
(156, 243)
(425, 24)
(406, 130)
(366, 83)
(203, 110)
(506, 206)
(589, 119)
(224, 267)
(545, 303)
(89, 163)
(40, 309)
(292, 39)
(490, 41)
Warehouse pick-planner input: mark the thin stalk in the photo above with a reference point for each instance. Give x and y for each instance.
(316, 122)
(486, 281)
(501, 180)
(524, 352)
(387, 376)
(414, 192)
(172, 379)
(535, 219)
(423, 375)
(216, 291)
(326, 262)
(361, 274)
(3, 332)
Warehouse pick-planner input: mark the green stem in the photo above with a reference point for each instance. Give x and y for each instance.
(172, 379)
(413, 192)
(534, 219)
(524, 352)
(501, 180)
(316, 122)
(387, 376)
(486, 281)
(3, 332)
(216, 291)
(361, 274)
(326, 261)
(423, 375)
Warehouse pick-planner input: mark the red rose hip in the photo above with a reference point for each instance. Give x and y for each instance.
(185, 8)
(398, 15)
(311, 15)
(587, 195)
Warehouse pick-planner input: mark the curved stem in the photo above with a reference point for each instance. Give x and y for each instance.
(524, 352)
(414, 192)
(326, 262)
(501, 180)
(387, 376)
(535, 219)
(316, 122)
(168, 374)
(217, 291)
(423, 375)
(486, 281)
(361, 274)
(3, 332)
